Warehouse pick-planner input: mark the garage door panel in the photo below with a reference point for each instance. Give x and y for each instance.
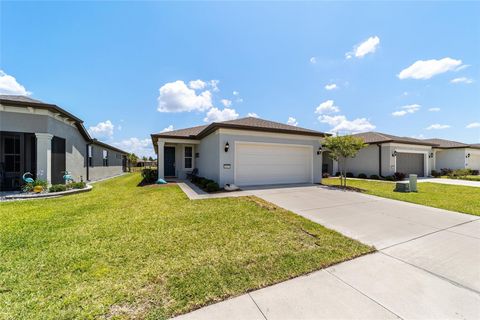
(411, 163)
(258, 164)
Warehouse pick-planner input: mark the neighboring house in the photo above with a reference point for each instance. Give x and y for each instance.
(46, 140)
(247, 151)
(386, 154)
(146, 163)
(455, 155)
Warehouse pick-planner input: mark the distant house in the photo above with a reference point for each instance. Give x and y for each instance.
(247, 151)
(386, 154)
(146, 163)
(47, 140)
(455, 155)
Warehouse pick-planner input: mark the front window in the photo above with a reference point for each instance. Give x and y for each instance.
(105, 158)
(188, 157)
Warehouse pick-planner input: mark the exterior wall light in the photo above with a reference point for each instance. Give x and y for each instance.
(468, 155)
(394, 154)
(319, 150)
(227, 146)
(430, 155)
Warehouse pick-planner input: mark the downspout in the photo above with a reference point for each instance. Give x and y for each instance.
(380, 160)
(88, 165)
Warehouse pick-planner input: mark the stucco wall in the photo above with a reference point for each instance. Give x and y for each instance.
(366, 161)
(208, 161)
(474, 161)
(450, 159)
(232, 136)
(97, 171)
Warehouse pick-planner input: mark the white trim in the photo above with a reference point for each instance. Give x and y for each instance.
(236, 143)
(425, 159)
(279, 135)
(193, 157)
(185, 141)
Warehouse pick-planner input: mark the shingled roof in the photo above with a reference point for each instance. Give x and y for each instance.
(23, 101)
(248, 123)
(450, 144)
(378, 137)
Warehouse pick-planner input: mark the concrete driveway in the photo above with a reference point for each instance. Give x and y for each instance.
(427, 266)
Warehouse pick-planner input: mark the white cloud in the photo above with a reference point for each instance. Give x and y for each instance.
(197, 84)
(341, 123)
(434, 109)
(102, 130)
(327, 107)
(292, 121)
(461, 80)
(411, 108)
(167, 129)
(438, 126)
(9, 85)
(177, 97)
(364, 48)
(217, 115)
(313, 60)
(331, 86)
(253, 115)
(214, 85)
(235, 93)
(226, 102)
(141, 147)
(239, 100)
(425, 69)
(473, 125)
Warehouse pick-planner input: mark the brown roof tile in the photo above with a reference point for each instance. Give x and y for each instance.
(378, 137)
(450, 144)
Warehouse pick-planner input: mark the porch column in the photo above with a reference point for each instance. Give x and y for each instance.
(44, 156)
(160, 160)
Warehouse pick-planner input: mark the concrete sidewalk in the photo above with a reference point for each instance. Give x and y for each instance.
(427, 266)
(456, 182)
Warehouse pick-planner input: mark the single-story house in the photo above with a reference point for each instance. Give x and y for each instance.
(246, 151)
(455, 155)
(47, 140)
(386, 154)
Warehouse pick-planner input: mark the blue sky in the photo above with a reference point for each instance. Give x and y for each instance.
(125, 68)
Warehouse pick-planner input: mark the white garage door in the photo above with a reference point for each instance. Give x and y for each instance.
(257, 164)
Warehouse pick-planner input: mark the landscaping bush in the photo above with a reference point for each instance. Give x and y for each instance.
(350, 175)
(57, 188)
(445, 171)
(374, 177)
(28, 187)
(390, 178)
(399, 176)
(212, 187)
(149, 175)
(362, 176)
(337, 174)
(474, 172)
(436, 174)
(77, 185)
(204, 182)
(459, 173)
(325, 175)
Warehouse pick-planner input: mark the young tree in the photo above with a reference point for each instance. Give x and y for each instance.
(132, 160)
(341, 148)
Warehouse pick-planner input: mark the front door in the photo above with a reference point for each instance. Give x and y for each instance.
(11, 161)
(169, 161)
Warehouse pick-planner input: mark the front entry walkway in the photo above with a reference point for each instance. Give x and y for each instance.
(427, 266)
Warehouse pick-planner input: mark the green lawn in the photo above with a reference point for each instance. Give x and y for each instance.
(449, 197)
(122, 251)
(468, 178)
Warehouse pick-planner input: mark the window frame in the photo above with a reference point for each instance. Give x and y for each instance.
(105, 157)
(190, 157)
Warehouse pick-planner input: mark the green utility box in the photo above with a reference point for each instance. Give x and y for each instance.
(403, 186)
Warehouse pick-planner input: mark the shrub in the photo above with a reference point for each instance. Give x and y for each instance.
(325, 175)
(362, 176)
(474, 172)
(350, 175)
(77, 185)
(57, 188)
(212, 187)
(445, 171)
(149, 175)
(28, 187)
(459, 173)
(390, 178)
(374, 177)
(203, 183)
(337, 174)
(436, 174)
(399, 176)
